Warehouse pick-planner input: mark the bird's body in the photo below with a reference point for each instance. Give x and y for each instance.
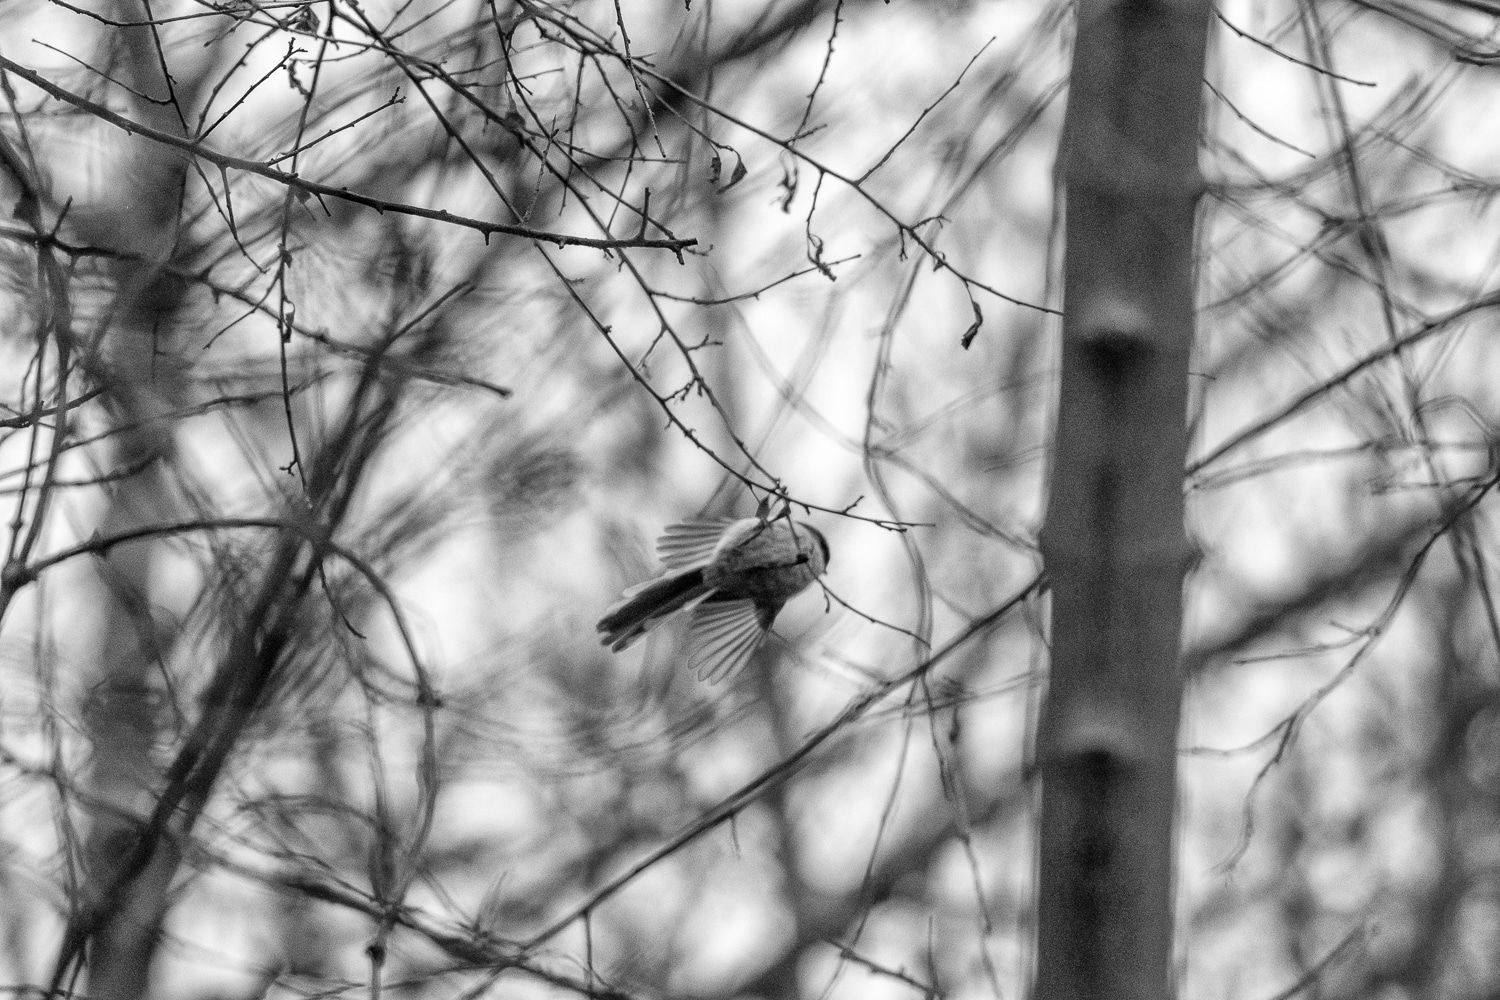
(731, 577)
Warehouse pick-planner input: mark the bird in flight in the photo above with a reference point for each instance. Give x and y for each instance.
(731, 577)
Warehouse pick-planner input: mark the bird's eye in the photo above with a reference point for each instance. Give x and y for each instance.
(822, 542)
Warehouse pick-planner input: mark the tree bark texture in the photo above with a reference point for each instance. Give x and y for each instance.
(1114, 538)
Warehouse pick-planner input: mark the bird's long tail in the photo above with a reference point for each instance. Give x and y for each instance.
(642, 607)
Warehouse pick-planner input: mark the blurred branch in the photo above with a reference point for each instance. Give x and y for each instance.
(226, 162)
(1357, 936)
(1313, 394)
(772, 777)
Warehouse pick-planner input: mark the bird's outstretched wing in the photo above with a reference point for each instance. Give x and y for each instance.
(692, 543)
(685, 549)
(724, 635)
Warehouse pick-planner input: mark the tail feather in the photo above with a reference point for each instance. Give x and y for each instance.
(644, 606)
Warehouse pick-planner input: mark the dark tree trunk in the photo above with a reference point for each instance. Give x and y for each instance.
(1114, 539)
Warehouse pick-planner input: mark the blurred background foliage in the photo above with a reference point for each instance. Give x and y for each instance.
(306, 460)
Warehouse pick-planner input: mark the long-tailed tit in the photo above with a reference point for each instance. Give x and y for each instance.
(731, 577)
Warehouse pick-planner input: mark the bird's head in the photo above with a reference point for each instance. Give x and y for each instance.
(811, 542)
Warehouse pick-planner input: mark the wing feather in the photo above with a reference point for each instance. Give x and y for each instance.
(692, 543)
(722, 637)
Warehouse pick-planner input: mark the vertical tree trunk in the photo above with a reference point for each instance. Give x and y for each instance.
(1114, 540)
(138, 213)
